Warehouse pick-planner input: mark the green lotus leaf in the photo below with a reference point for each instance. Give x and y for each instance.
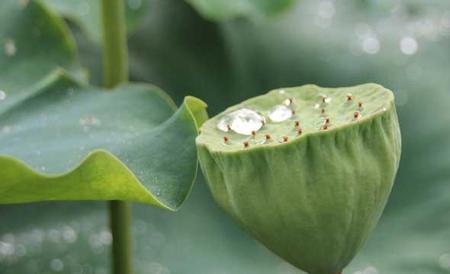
(64, 140)
(71, 142)
(219, 10)
(34, 42)
(86, 13)
(307, 171)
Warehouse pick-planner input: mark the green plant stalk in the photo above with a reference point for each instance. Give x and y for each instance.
(115, 51)
(115, 72)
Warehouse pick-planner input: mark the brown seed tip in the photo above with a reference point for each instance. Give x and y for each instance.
(246, 144)
(297, 124)
(324, 98)
(253, 133)
(293, 112)
(324, 127)
(285, 139)
(360, 104)
(268, 137)
(228, 127)
(326, 121)
(299, 131)
(349, 97)
(226, 139)
(356, 115)
(323, 110)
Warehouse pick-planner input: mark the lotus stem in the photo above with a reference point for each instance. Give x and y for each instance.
(115, 72)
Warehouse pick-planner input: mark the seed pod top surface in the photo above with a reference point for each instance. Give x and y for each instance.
(306, 171)
(288, 114)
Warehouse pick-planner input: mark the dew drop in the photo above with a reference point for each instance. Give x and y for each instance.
(2, 95)
(408, 45)
(57, 265)
(280, 113)
(288, 102)
(370, 45)
(69, 234)
(325, 99)
(105, 237)
(243, 121)
(89, 121)
(10, 47)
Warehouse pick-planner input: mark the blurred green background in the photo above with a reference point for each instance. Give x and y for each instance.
(239, 53)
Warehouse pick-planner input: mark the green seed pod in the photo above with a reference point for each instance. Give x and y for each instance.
(306, 171)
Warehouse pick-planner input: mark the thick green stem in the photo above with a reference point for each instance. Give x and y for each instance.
(115, 71)
(115, 52)
(120, 216)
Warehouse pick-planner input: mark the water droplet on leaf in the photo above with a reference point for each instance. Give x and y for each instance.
(9, 47)
(56, 265)
(408, 45)
(2, 95)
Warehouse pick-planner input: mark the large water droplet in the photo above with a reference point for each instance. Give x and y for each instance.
(245, 121)
(224, 123)
(280, 113)
(2, 95)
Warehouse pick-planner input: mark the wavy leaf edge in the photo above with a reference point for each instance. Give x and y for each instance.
(195, 107)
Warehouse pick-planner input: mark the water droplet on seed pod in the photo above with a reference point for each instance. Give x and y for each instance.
(243, 121)
(280, 113)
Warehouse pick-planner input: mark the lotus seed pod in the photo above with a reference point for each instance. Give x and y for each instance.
(312, 180)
